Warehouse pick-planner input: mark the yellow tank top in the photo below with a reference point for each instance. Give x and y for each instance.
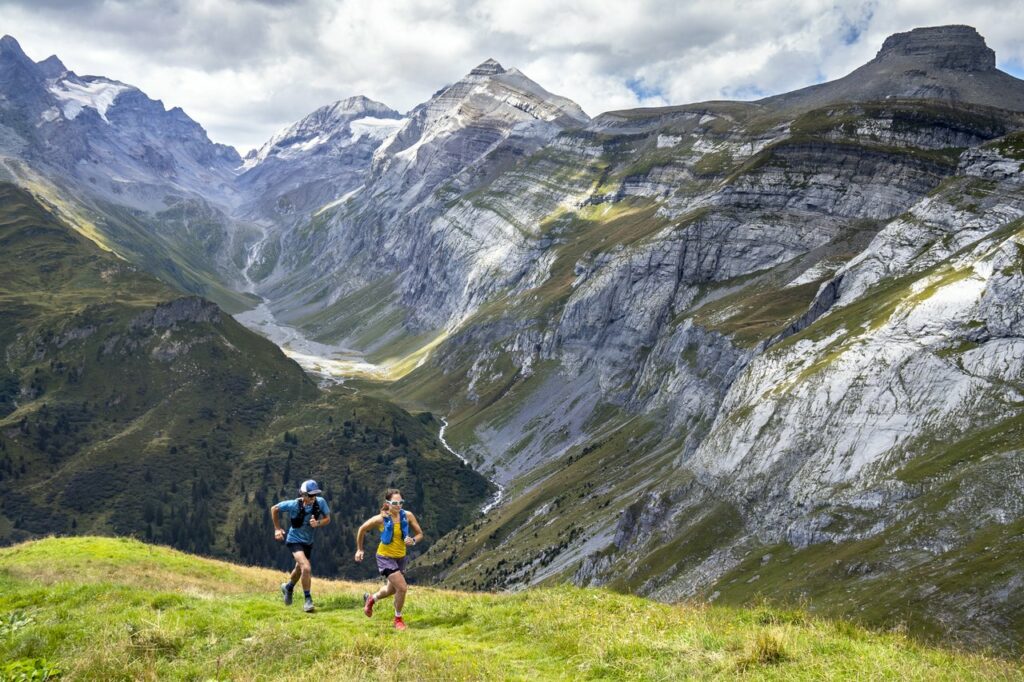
(396, 549)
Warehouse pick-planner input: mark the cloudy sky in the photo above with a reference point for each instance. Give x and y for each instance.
(245, 69)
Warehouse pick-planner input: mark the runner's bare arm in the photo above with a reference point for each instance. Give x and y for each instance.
(418, 537)
(278, 531)
(361, 533)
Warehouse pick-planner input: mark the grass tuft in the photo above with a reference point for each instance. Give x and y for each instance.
(766, 648)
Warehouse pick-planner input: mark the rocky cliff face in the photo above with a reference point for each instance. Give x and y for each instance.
(309, 168)
(458, 142)
(958, 48)
(738, 331)
(319, 159)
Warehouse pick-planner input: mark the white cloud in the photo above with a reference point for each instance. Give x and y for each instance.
(245, 69)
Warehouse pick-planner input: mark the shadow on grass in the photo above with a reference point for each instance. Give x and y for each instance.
(344, 602)
(446, 620)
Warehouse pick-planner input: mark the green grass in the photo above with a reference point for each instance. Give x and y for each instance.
(758, 312)
(886, 581)
(352, 313)
(941, 455)
(111, 609)
(178, 246)
(1011, 146)
(715, 163)
(641, 163)
(680, 549)
(905, 115)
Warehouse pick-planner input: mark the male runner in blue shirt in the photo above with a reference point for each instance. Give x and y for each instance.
(308, 512)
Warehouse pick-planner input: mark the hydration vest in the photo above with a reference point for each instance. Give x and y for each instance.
(301, 517)
(389, 528)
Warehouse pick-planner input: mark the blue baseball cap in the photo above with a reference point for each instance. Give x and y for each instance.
(310, 488)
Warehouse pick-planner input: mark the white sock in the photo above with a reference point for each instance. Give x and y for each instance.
(398, 614)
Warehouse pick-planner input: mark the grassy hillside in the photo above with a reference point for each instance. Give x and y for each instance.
(179, 245)
(92, 608)
(134, 410)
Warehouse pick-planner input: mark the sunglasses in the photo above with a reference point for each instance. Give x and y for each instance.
(394, 502)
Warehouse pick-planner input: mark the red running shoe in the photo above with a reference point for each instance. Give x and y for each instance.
(399, 623)
(368, 601)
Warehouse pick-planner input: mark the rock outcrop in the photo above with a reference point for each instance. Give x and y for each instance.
(950, 63)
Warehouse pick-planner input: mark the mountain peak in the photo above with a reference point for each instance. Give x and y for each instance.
(959, 48)
(9, 47)
(950, 63)
(355, 101)
(8, 42)
(360, 104)
(52, 67)
(489, 67)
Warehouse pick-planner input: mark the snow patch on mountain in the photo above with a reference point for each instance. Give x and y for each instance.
(75, 95)
(343, 123)
(370, 126)
(375, 128)
(340, 200)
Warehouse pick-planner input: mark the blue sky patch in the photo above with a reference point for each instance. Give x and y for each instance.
(643, 90)
(1014, 68)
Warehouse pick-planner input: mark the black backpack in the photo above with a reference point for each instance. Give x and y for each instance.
(301, 517)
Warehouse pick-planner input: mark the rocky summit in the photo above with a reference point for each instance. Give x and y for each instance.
(950, 63)
(717, 351)
(959, 48)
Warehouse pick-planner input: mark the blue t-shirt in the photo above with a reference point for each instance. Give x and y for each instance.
(290, 509)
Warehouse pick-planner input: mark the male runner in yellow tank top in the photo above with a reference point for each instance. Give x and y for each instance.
(391, 551)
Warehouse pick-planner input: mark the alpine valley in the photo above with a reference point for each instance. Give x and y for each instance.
(718, 351)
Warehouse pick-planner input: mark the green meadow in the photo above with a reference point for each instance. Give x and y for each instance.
(94, 608)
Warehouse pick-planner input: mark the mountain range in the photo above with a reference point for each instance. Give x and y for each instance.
(715, 351)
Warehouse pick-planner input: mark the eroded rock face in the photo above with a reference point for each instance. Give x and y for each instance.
(402, 220)
(830, 416)
(317, 160)
(946, 47)
(191, 309)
